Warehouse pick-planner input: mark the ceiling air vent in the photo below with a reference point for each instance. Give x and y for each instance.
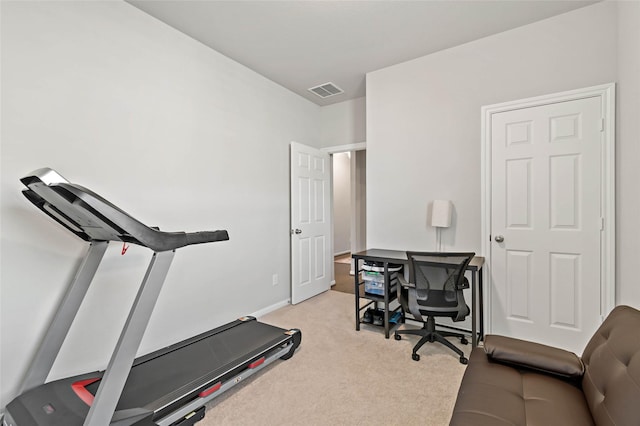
(325, 90)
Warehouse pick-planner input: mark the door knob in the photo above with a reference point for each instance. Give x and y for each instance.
(499, 238)
(297, 231)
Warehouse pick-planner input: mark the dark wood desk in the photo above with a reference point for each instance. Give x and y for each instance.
(387, 257)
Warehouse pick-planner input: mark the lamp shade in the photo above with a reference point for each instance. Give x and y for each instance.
(441, 213)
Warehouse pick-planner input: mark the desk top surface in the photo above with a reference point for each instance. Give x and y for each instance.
(399, 256)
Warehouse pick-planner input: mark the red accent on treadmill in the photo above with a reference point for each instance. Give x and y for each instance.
(211, 390)
(80, 388)
(254, 364)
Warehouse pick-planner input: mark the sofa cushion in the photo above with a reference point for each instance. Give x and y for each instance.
(523, 353)
(494, 394)
(611, 382)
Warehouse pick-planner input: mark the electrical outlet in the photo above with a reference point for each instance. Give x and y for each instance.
(274, 279)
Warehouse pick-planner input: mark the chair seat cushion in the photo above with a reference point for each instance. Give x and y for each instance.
(495, 394)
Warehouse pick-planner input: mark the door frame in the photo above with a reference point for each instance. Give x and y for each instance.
(337, 149)
(606, 94)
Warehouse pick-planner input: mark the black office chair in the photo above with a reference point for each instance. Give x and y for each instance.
(436, 281)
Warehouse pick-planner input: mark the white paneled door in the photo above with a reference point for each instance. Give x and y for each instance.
(546, 222)
(310, 222)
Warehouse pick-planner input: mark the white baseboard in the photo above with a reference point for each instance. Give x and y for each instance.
(271, 308)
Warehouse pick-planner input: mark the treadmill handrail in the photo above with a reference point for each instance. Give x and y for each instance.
(93, 218)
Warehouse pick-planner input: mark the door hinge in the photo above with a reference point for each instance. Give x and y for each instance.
(602, 124)
(602, 223)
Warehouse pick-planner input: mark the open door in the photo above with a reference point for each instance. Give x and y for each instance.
(311, 257)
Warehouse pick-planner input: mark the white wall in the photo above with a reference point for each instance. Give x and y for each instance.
(628, 154)
(343, 123)
(423, 124)
(341, 203)
(177, 135)
(358, 201)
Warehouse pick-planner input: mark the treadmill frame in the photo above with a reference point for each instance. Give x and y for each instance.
(78, 210)
(115, 376)
(66, 313)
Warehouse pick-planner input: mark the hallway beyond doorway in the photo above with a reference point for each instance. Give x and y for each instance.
(344, 281)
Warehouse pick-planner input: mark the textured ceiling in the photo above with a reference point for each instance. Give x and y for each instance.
(301, 44)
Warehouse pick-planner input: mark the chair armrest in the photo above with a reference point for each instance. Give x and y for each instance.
(405, 283)
(522, 353)
(464, 284)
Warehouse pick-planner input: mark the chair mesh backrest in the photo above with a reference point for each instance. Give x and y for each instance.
(439, 279)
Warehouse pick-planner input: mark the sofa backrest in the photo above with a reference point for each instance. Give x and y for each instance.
(611, 382)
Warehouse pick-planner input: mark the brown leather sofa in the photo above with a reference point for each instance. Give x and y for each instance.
(515, 382)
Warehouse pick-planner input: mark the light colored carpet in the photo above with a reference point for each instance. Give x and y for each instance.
(341, 376)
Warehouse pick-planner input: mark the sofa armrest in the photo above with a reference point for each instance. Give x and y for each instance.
(522, 353)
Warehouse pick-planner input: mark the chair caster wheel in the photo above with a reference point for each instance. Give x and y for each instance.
(397, 337)
(463, 360)
(464, 341)
(415, 357)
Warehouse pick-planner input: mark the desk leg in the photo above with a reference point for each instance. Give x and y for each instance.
(474, 314)
(386, 300)
(356, 280)
(481, 307)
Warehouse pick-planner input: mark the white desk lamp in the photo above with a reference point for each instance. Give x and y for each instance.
(440, 218)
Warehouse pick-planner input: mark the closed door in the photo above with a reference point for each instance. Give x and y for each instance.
(310, 222)
(546, 222)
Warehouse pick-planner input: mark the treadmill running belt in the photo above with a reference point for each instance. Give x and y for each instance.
(162, 380)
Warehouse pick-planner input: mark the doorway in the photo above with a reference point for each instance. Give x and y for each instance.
(348, 200)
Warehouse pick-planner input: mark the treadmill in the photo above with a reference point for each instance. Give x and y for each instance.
(168, 387)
